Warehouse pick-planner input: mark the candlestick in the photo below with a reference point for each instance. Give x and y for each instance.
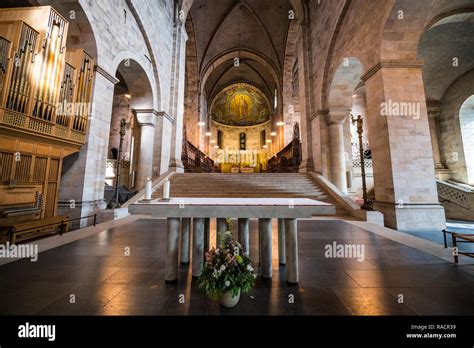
(166, 189)
(148, 189)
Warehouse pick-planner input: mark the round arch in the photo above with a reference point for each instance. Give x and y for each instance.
(246, 54)
(344, 82)
(407, 23)
(140, 81)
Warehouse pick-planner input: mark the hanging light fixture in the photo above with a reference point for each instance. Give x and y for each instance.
(201, 124)
(280, 123)
(208, 134)
(273, 134)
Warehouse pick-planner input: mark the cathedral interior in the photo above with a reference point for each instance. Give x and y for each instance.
(112, 108)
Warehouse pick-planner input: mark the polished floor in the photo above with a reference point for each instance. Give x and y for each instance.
(93, 276)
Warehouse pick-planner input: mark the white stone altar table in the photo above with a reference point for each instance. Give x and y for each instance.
(179, 212)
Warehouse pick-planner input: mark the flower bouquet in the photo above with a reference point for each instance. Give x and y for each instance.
(227, 272)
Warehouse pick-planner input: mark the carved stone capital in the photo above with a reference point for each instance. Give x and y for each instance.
(433, 108)
(337, 116)
(145, 117)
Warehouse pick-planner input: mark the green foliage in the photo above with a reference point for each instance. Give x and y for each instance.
(226, 268)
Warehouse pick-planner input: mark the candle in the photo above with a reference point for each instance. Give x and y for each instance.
(166, 189)
(148, 189)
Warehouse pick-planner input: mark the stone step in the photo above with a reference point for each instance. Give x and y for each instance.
(245, 185)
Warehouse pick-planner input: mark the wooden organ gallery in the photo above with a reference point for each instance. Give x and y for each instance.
(45, 95)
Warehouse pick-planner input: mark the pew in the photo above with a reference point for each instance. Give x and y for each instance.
(32, 229)
(194, 160)
(288, 160)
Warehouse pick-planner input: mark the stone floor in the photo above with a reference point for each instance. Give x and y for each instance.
(106, 282)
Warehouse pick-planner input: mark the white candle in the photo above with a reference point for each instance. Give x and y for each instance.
(166, 189)
(148, 189)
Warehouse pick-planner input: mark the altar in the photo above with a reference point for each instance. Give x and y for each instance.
(180, 211)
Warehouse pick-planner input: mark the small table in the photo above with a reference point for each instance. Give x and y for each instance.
(179, 212)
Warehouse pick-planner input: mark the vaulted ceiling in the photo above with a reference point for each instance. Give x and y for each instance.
(449, 41)
(257, 26)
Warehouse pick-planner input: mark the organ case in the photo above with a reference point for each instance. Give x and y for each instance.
(45, 98)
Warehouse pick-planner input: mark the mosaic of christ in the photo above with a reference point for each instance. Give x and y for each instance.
(240, 105)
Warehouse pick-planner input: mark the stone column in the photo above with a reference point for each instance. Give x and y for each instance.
(434, 110)
(433, 113)
(207, 234)
(348, 152)
(336, 143)
(306, 96)
(402, 155)
(244, 234)
(265, 241)
(291, 236)
(198, 246)
(185, 233)
(281, 242)
(171, 265)
(83, 174)
(147, 121)
(162, 146)
(177, 95)
(220, 229)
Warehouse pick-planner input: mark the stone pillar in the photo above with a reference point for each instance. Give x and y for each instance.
(177, 95)
(171, 265)
(265, 245)
(162, 146)
(147, 121)
(336, 143)
(220, 229)
(185, 233)
(320, 134)
(434, 110)
(281, 242)
(83, 174)
(433, 113)
(291, 238)
(402, 155)
(306, 96)
(207, 234)
(348, 151)
(244, 234)
(198, 246)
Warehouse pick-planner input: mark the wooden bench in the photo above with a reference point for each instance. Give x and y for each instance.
(27, 230)
(465, 238)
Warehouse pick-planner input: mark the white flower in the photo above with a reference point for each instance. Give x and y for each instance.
(236, 252)
(249, 267)
(227, 283)
(223, 268)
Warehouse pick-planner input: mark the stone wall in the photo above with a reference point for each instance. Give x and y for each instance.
(231, 136)
(123, 29)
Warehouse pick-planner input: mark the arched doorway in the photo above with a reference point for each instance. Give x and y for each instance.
(346, 96)
(132, 131)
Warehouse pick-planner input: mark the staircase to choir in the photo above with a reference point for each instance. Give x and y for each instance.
(258, 185)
